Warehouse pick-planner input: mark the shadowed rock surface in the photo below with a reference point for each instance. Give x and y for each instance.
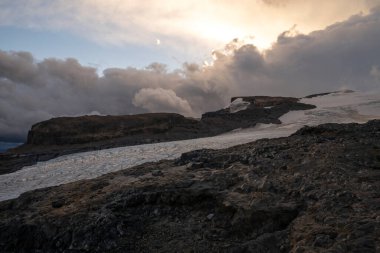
(90, 129)
(315, 191)
(261, 109)
(327, 93)
(60, 136)
(264, 101)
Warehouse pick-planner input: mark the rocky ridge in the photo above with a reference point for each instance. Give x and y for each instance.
(315, 191)
(65, 135)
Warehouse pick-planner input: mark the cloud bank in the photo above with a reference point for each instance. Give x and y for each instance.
(167, 100)
(344, 55)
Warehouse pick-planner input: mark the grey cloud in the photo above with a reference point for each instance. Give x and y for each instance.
(18, 66)
(158, 99)
(345, 54)
(375, 72)
(32, 91)
(340, 55)
(248, 58)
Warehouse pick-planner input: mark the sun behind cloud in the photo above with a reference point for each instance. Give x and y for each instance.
(188, 25)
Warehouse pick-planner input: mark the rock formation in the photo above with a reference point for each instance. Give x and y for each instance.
(65, 135)
(91, 129)
(315, 191)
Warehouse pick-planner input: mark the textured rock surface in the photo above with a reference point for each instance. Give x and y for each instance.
(61, 136)
(87, 129)
(65, 135)
(261, 110)
(265, 101)
(154, 127)
(315, 191)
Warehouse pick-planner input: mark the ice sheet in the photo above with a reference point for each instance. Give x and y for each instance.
(334, 108)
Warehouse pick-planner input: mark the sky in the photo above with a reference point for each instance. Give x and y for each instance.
(70, 58)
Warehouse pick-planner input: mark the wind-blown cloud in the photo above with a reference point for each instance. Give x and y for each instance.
(188, 22)
(345, 55)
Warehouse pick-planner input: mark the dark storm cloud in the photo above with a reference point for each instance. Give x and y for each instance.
(344, 55)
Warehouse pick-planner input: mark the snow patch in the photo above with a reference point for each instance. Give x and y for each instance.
(335, 108)
(238, 105)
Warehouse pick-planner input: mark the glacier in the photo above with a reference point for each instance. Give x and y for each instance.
(341, 107)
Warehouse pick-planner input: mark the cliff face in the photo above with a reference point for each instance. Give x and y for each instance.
(315, 191)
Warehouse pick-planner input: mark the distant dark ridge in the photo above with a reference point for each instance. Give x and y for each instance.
(263, 101)
(327, 93)
(86, 129)
(66, 135)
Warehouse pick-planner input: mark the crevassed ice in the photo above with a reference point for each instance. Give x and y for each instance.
(334, 108)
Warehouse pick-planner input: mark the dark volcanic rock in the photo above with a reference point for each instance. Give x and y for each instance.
(315, 191)
(65, 135)
(153, 127)
(87, 129)
(265, 101)
(61, 136)
(261, 110)
(327, 93)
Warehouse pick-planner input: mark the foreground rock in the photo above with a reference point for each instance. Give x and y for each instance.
(66, 135)
(315, 191)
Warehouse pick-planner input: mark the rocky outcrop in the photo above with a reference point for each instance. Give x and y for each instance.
(65, 135)
(315, 191)
(328, 93)
(266, 101)
(260, 110)
(154, 127)
(61, 136)
(91, 129)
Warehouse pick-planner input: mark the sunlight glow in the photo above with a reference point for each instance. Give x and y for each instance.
(188, 27)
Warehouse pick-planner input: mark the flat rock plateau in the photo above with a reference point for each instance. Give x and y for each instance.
(66, 135)
(317, 190)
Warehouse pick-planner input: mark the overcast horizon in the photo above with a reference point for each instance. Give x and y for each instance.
(71, 58)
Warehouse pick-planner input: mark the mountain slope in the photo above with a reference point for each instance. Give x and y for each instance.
(336, 107)
(315, 191)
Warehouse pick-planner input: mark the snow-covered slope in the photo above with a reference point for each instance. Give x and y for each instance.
(238, 105)
(333, 108)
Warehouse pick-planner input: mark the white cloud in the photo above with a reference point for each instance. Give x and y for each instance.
(161, 100)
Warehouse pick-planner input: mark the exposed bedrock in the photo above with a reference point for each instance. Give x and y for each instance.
(153, 127)
(65, 135)
(315, 191)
